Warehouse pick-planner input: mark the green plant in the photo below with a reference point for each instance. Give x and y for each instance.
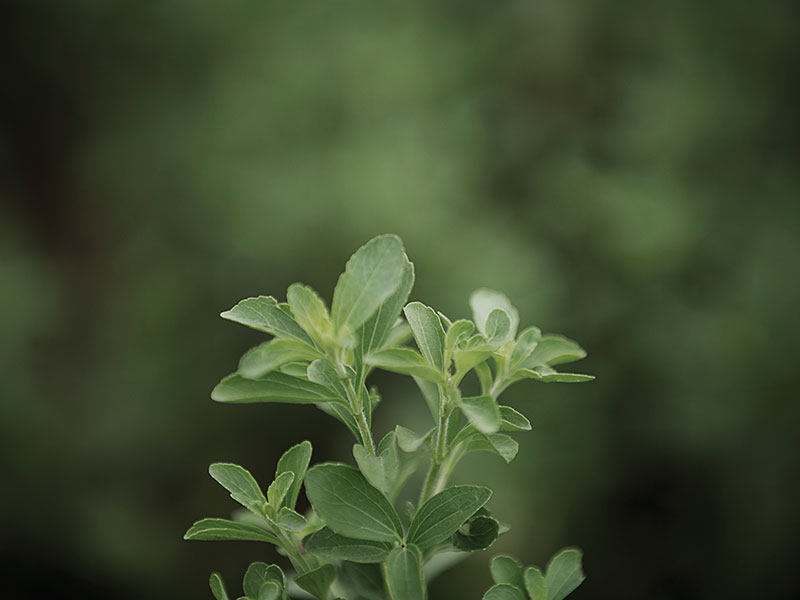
(354, 543)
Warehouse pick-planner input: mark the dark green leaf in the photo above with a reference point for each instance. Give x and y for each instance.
(376, 331)
(403, 574)
(380, 471)
(428, 333)
(350, 506)
(274, 387)
(478, 533)
(240, 484)
(277, 490)
(289, 520)
(264, 314)
(259, 573)
(317, 582)
(324, 373)
(273, 354)
(444, 513)
(361, 581)
(295, 460)
(225, 530)
(329, 544)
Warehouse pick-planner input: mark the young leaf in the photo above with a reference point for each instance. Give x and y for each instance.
(269, 590)
(329, 544)
(498, 327)
(324, 373)
(507, 569)
(512, 420)
(428, 333)
(288, 520)
(478, 533)
(552, 350)
(259, 573)
(410, 441)
(240, 484)
(498, 443)
(482, 412)
(263, 313)
(266, 357)
(317, 582)
(370, 277)
(277, 490)
(223, 530)
(380, 471)
(547, 375)
(310, 313)
(457, 333)
(377, 330)
(295, 460)
(504, 591)
(403, 574)
(524, 345)
(350, 506)
(405, 361)
(444, 513)
(564, 574)
(484, 301)
(274, 387)
(535, 584)
(217, 587)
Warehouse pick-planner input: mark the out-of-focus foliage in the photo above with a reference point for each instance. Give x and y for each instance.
(626, 171)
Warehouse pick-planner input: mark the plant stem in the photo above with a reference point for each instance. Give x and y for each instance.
(439, 453)
(364, 430)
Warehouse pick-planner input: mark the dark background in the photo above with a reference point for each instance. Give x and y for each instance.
(626, 171)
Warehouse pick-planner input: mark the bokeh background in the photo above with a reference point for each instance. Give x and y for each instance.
(626, 171)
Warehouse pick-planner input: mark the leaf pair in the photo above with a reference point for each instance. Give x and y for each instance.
(261, 582)
(563, 575)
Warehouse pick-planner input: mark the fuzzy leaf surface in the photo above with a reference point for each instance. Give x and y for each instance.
(273, 387)
(224, 530)
(330, 544)
(241, 485)
(428, 333)
(444, 513)
(403, 574)
(263, 313)
(295, 460)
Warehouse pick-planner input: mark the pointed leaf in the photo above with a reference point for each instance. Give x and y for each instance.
(324, 373)
(547, 375)
(428, 333)
(381, 470)
(317, 582)
(264, 314)
(310, 313)
(217, 587)
(370, 277)
(513, 420)
(277, 490)
(223, 530)
(444, 513)
(295, 460)
(241, 484)
(535, 584)
(376, 331)
(564, 573)
(406, 362)
(552, 350)
(349, 505)
(273, 387)
(482, 412)
(329, 544)
(403, 574)
(484, 301)
(504, 591)
(266, 357)
(507, 569)
(410, 441)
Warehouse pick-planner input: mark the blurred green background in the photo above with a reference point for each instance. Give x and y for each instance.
(626, 171)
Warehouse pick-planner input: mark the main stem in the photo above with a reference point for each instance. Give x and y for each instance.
(438, 455)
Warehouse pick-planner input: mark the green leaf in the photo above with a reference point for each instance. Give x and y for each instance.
(474, 352)
(428, 333)
(484, 301)
(317, 582)
(512, 420)
(329, 544)
(507, 569)
(504, 591)
(380, 471)
(535, 584)
(273, 387)
(289, 520)
(273, 354)
(409, 441)
(524, 345)
(485, 378)
(403, 574)
(381, 326)
(270, 591)
(361, 581)
(350, 506)
(405, 361)
(370, 277)
(265, 314)
(497, 443)
(458, 333)
(295, 460)
(444, 513)
(478, 533)
(564, 573)
(552, 350)
(324, 373)
(548, 375)
(259, 573)
(482, 412)
(224, 530)
(241, 484)
(217, 587)
(498, 327)
(310, 313)
(277, 490)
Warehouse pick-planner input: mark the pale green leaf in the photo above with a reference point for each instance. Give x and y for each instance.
(349, 505)
(410, 441)
(270, 590)
(399, 334)
(310, 313)
(504, 591)
(405, 361)
(370, 277)
(428, 333)
(273, 387)
(524, 345)
(317, 582)
(329, 544)
(484, 301)
(512, 420)
(535, 584)
(223, 529)
(266, 357)
(295, 460)
(497, 443)
(458, 333)
(277, 490)
(552, 350)
(380, 470)
(548, 375)
(498, 327)
(403, 574)
(507, 569)
(241, 484)
(265, 314)
(289, 520)
(485, 378)
(321, 371)
(259, 573)
(564, 573)
(444, 513)
(382, 326)
(217, 587)
(482, 412)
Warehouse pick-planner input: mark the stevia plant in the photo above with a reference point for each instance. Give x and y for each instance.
(356, 542)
